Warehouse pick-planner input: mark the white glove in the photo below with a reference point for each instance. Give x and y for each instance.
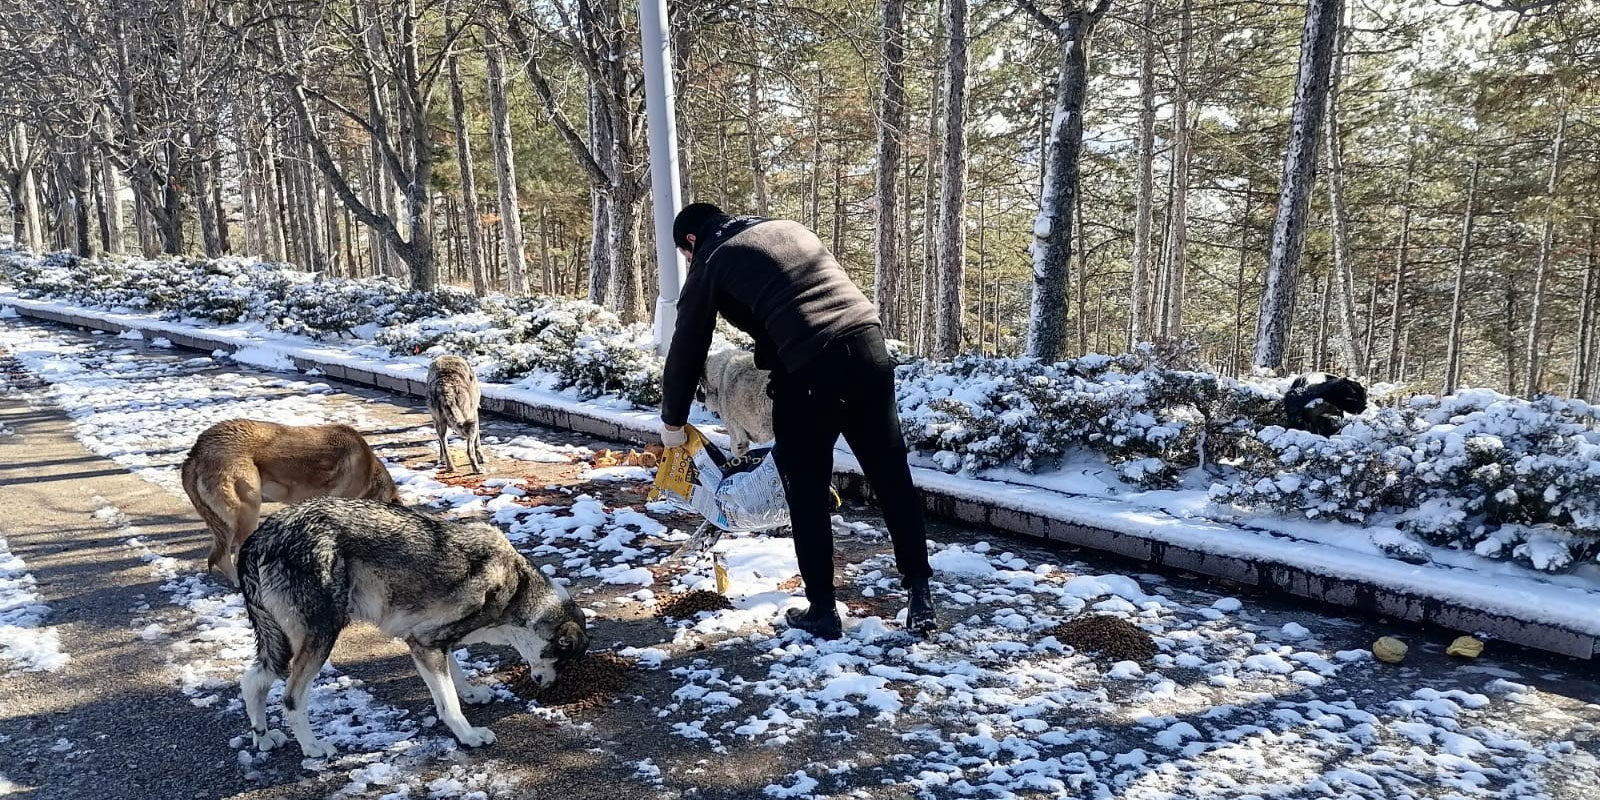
(673, 436)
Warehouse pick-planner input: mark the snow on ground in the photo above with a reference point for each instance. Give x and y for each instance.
(1083, 491)
(992, 707)
(145, 413)
(26, 643)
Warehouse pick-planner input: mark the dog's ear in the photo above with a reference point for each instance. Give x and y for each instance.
(568, 635)
(569, 643)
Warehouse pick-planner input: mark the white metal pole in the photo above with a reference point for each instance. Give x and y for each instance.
(656, 44)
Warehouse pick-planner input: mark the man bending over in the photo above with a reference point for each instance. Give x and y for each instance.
(831, 374)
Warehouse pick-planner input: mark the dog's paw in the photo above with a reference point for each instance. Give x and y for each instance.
(266, 741)
(317, 748)
(476, 737)
(476, 695)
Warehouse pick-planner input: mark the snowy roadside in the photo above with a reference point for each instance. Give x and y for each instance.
(26, 643)
(143, 415)
(1472, 593)
(1234, 702)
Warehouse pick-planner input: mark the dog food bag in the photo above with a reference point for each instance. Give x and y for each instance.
(743, 494)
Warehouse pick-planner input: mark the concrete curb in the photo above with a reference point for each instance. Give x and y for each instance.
(1354, 593)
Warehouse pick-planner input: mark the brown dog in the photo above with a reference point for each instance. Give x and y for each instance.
(237, 465)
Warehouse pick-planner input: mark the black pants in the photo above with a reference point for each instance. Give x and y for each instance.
(848, 389)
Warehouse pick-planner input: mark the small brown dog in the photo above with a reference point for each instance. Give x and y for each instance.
(237, 465)
(453, 397)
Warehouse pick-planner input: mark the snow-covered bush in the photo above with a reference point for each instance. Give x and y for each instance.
(1151, 421)
(581, 346)
(1506, 477)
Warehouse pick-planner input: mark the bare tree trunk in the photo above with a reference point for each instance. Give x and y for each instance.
(1236, 354)
(1350, 351)
(547, 270)
(330, 224)
(930, 177)
(1398, 294)
(200, 186)
(814, 190)
(983, 262)
(217, 204)
(1579, 375)
(1176, 251)
(1084, 347)
(626, 279)
(752, 139)
(1052, 231)
(891, 119)
(266, 158)
(469, 183)
(904, 275)
(685, 31)
(1319, 346)
(1299, 176)
(952, 248)
(314, 227)
(113, 205)
(1533, 361)
(381, 199)
(1371, 332)
(1452, 359)
(838, 207)
(79, 182)
(505, 168)
(1144, 206)
(600, 256)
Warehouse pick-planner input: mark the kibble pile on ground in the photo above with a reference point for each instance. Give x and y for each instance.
(593, 680)
(688, 604)
(1112, 638)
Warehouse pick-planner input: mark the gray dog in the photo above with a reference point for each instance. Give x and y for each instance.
(453, 397)
(311, 569)
(736, 391)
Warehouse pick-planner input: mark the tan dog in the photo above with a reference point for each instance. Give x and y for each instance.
(453, 397)
(736, 391)
(237, 465)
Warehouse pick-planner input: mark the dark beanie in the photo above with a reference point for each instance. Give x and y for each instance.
(691, 220)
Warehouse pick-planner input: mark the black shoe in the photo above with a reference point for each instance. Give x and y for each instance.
(920, 616)
(821, 624)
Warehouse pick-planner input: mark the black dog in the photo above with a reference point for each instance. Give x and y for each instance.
(1318, 402)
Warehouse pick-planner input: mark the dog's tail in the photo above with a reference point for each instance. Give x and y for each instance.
(272, 644)
(216, 520)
